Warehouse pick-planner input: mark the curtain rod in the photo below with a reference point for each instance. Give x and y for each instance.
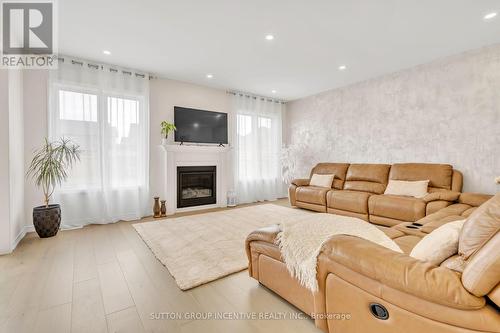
(262, 98)
(104, 67)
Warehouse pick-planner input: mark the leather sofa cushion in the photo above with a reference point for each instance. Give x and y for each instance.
(469, 211)
(480, 227)
(337, 169)
(478, 245)
(391, 232)
(367, 177)
(433, 225)
(448, 214)
(312, 194)
(439, 175)
(456, 210)
(396, 207)
(352, 201)
(407, 243)
(482, 270)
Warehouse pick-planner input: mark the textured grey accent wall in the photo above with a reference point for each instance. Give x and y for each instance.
(447, 111)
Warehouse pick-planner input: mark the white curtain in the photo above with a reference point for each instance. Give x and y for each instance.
(257, 145)
(105, 110)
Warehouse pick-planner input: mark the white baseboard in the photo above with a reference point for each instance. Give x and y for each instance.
(29, 228)
(20, 236)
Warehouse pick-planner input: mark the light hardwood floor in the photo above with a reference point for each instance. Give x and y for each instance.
(103, 278)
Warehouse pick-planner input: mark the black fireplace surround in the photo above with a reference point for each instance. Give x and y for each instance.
(196, 186)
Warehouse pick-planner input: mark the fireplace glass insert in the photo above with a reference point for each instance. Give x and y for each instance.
(196, 186)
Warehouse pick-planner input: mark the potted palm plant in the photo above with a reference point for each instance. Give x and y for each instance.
(49, 168)
(166, 128)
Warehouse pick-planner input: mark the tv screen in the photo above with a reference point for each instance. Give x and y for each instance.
(200, 126)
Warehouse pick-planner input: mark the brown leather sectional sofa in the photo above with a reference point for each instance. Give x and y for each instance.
(358, 190)
(356, 277)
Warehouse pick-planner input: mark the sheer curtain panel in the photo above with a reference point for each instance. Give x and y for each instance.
(257, 145)
(105, 110)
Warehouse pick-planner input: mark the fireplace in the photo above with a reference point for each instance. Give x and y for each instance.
(196, 186)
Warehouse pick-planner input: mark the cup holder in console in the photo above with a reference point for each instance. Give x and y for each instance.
(414, 225)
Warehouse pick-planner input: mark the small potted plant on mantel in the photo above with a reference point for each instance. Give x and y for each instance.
(49, 168)
(166, 128)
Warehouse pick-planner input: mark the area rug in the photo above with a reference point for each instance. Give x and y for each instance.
(201, 248)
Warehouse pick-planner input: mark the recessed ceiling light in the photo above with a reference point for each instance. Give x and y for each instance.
(210, 76)
(273, 91)
(106, 52)
(269, 37)
(342, 67)
(490, 16)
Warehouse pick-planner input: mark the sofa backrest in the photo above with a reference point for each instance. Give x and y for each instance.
(440, 176)
(479, 245)
(337, 169)
(457, 181)
(367, 177)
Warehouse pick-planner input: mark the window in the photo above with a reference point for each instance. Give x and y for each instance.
(77, 120)
(108, 136)
(122, 124)
(105, 111)
(257, 132)
(77, 106)
(257, 148)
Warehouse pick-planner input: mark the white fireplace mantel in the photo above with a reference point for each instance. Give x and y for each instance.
(175, 155)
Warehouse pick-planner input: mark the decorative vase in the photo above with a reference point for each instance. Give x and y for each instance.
(163, 209)
(164, 140)
(156, 207)
(47, 220)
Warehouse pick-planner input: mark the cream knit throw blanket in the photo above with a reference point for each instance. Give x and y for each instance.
(300, 241)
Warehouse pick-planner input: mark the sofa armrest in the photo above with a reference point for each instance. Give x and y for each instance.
(266, 234)
(442, 195)
(300, 182)
(401, 272)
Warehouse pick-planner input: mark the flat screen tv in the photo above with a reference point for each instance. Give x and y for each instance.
(200, 126)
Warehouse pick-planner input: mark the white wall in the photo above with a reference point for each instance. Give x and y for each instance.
(4, 164)
(12, 217)
(16, 156)
(164, 95)
(35, 130)
(447, 111)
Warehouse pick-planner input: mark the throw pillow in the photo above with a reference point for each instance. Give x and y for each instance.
(417, 189)
(440, 244)
(321, 180)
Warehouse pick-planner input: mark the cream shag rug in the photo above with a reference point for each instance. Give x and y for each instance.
(201, 248)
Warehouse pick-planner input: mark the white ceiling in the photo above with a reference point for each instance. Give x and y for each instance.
(187, 39)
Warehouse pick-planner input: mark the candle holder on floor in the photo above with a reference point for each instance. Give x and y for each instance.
(156, 207)
(163, 209)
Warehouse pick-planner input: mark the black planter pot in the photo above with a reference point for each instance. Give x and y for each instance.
(47, 220)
